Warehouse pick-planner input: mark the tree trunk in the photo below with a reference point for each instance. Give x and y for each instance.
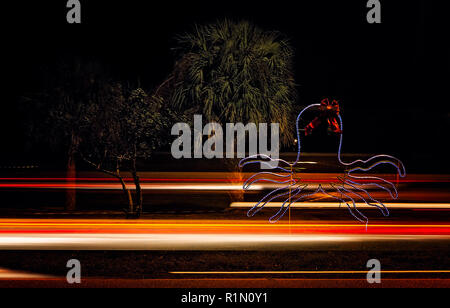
(127, 193)
(71, 174)
(118, 176)
(139, 197)
(235, 173)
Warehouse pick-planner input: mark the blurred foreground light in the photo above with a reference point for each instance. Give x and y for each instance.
(199, 242)
(334, 205)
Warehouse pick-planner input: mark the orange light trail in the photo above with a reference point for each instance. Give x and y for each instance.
(334, 205)
(311, 272)
(18, 226)
(328, 178)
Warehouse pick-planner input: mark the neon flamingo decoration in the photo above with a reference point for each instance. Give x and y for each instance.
(350, 186)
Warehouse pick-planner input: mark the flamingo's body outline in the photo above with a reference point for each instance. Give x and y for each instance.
(351, 181)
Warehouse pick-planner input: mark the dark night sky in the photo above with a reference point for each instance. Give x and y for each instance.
(392, 78)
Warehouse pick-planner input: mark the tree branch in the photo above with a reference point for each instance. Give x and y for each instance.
(98, 168)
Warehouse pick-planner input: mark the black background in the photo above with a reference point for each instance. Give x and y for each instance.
(171, 297)
(392, 78)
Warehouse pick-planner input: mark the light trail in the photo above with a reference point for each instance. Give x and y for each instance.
(188, 181)
(193, 224)
(144, 186)
(53, 234)
(199, 177)
(209, 242)
(310, 272)
(335, 205)
(10, 274)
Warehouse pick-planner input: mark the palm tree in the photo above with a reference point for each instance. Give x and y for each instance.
(235, 72)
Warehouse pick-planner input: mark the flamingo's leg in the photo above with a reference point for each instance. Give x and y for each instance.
(387, 161)
(256, 208)
(307, 195)
(378, 204)
(265, 176)
(364, 219)
(268, 162)
(282, 211)
(393, 193)
(382, 208)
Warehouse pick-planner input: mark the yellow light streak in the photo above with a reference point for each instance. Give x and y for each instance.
(314, 272)
(219, 225)
(334, 205)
